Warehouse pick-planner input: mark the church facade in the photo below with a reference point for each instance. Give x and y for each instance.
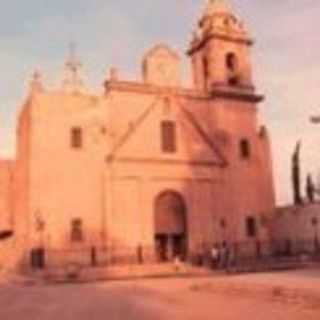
(149, 169)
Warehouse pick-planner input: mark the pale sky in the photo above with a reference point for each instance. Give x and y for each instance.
(35, 34)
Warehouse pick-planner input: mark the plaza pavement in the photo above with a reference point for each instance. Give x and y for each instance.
(273, 296)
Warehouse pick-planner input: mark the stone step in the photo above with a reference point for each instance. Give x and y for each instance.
(78, 274)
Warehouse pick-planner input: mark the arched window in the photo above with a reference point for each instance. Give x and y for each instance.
(245, 149)
(231, 61)
(168, 136)
(232, 69)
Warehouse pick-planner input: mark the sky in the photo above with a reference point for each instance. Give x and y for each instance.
(35, 35)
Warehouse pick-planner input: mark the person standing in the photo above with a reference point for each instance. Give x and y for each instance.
(310, 188)
(214, 257)
(223, 255)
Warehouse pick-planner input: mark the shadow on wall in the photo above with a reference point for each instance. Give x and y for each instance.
(8, 252)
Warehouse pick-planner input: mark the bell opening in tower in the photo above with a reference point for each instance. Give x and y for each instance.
(232, 69)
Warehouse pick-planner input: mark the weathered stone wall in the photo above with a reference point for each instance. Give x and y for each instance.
(6, 194)
(6, 213)
(297, 228)
(66, 183)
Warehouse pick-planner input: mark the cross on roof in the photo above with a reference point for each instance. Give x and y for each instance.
(73, 65)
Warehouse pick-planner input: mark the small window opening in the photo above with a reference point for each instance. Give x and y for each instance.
(76, 138)
(251, 226)
(223, 224)
(245, 150)
(168, 136)
(232, 69)
(206, 71)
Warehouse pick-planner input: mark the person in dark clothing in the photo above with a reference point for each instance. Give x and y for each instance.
(310, 188)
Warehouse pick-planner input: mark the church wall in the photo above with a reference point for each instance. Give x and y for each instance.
(7, 249)
(60, 188)
(134, 193)
(198, 71)
(296, 229)
(21, 170)
(192, 170)
(21, 174)
(6, 194)
(234, 120)
(115, 199)
(251, 186)
(65, 183)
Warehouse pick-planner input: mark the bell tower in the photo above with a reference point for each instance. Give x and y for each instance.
(220, 50)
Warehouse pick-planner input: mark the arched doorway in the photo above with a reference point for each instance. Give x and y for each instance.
(170, 224)
(38, 258)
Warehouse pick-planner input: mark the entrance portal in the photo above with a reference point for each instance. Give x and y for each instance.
(170, 226)
(38, 258)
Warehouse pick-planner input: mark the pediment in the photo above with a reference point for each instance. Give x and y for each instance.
(142, 139)
(161, 50)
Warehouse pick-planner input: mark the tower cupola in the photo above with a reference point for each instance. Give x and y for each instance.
(220, 49)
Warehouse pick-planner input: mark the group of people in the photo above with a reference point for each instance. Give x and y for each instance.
(222, 257)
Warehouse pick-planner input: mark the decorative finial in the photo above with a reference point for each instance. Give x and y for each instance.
(36, 82)
(214, 6)
(72, 81)
(114, 76)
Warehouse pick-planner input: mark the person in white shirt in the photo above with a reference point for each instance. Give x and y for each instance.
(214, 256)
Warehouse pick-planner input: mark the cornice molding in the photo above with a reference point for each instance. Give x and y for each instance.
(181, 162)
(244, 93)
(236, 93)
(196, 45)
(144, 88)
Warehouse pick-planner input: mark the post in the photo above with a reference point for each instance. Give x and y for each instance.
(316, 240)
(296, 184)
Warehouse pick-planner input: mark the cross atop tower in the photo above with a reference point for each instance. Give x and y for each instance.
(72, 80)
(73, 63)
(217, 6)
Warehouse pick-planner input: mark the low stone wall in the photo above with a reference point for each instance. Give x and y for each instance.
(296, 229)
(94, 256)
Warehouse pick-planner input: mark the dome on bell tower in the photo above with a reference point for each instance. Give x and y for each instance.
(219, 17)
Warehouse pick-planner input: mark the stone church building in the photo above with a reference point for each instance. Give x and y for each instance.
(149, 169)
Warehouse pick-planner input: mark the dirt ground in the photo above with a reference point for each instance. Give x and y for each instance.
(279, 296)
